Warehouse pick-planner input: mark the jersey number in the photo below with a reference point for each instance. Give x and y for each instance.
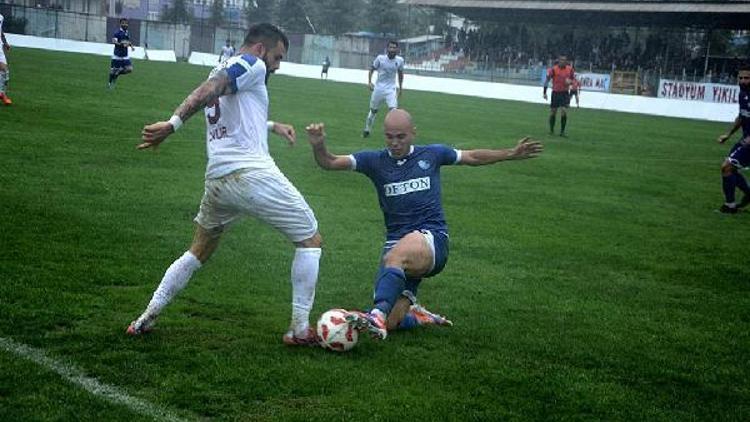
(213, 118)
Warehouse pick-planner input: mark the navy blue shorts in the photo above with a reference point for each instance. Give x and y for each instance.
(121, 63)
(739, 155)
(439, 241)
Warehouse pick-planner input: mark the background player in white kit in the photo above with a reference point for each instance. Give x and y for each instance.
(241, 177)
(388, 66)
(226, 52)
(4, 71)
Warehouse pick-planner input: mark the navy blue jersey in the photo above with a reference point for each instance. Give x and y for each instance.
(408, 188)
(121, 35)
(744, 100)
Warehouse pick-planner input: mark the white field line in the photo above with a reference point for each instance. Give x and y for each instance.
(74, 375)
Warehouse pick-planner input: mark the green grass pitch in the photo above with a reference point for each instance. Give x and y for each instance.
(594, 282)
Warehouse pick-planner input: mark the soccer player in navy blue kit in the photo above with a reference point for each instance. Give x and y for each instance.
(739, 155)
(121, 64)
(407, 179)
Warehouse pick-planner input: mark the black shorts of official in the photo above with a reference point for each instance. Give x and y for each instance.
(560, 99)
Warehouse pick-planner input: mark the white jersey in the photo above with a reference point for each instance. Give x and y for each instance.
(236, 131)
(226, 53)
(387, 71)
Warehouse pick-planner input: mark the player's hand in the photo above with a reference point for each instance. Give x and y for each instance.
(155, 134)
(132, 48)
(544, 95)
(285, 131)
(398, 92)
(370, 86)
(722, 139)
(527, 148)
(316, 133)
(6, 47)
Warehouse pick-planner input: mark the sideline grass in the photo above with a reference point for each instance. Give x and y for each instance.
(595, 282)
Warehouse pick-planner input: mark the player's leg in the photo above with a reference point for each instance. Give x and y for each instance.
(407, 312)
(375, 99)
(210, 222)
(177, 277)
(127, 69)
(563, 119)
(271, 197)
(740, 158)
(728, 185)
(552, 117)
(4, 78)
(410, 257)
(391, 99)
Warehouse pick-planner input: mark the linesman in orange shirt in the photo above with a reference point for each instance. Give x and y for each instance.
(562, 76)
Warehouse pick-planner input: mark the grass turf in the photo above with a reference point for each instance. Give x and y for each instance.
(595, 282)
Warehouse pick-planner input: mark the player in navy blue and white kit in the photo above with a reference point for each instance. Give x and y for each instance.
(407, 180)
(241, 177)
(4, 71)
(121, 64)
(389, 66)
(739, 155)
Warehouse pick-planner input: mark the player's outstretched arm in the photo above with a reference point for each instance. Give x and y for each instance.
(316, 134)
(205, 94)
(526, 148)
(737, 124)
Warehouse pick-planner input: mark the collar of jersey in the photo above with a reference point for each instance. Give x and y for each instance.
(411, 149)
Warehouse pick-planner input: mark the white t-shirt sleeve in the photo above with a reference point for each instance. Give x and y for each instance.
(245, 72)
(401, 64)
(376, 63)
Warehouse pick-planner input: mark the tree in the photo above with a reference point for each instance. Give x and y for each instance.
(292, 16)
(384, 16)
(336, 17)
(178, 13)
(217, 13)
(260, 11)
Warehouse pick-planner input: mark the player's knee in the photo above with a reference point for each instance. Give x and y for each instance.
(727, 169)
(374, 110)
(316, 241)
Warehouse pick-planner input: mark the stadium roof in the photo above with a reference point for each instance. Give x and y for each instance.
(732, 14)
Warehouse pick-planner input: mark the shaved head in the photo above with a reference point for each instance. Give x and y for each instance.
(399, 132)
(398, 118)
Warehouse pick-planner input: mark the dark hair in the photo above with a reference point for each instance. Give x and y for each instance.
(123, 20)
(266, 33)
(394, 42)
(744, 67)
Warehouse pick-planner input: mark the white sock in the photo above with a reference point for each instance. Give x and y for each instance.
(304, 278)
(175, 279)
(370, 120)
(3, 80)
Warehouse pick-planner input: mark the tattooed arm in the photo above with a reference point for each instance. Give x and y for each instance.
(210, 90)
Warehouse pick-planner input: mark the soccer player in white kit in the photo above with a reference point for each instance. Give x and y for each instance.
(4, 71)
(388, 66)
(226, 52)
(241, 177)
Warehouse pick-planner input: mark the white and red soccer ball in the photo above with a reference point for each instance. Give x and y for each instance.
(335, 332)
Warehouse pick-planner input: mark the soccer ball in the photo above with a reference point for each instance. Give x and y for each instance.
(335, 332)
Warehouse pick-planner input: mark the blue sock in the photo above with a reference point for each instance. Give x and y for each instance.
(409, 322)
(728, 184)
(388, 287)
(741, 183)
(412, 285)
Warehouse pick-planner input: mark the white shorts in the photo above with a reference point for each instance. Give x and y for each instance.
(2, 55)
(264, 194)
(382, 95)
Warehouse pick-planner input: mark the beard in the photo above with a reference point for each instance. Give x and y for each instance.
(391, 55)
(268, 72)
